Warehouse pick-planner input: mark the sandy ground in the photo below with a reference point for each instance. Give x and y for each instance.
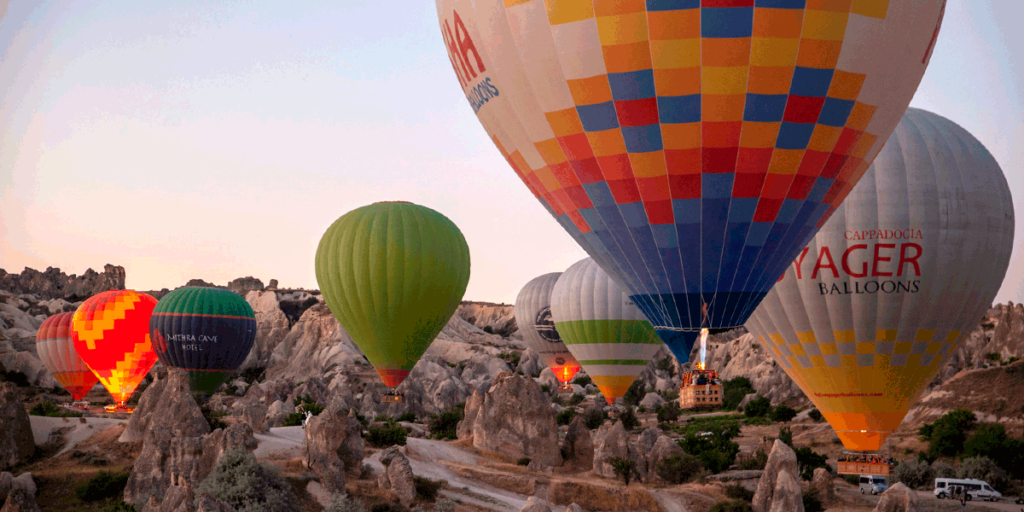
(280, 443)
(75, 430)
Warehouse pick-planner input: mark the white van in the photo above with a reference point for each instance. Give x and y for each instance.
(976, 489)
(872, 483)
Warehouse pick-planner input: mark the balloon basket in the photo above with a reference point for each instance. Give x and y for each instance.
(392, 398)
(119, 408)
(864, 464)
(565, 388)
(79, 405)
(701, 389)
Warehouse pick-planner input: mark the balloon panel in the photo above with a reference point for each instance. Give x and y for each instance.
(602, 328)
(533, 317)
(57, 351)
(692, 151)
(885, 292)
(206, 331)
(111, 334)
(393, 274)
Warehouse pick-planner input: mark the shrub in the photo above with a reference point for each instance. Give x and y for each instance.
(812, 503)
(757, 460)
(670, 396)
(629, 419)
(525, 461)
(595, 418)
(994, 356)
(102, 486)
(990, 440)
(668, 412)
(48, 408)
(852, 479)
(582, 380)
(678, 469)
(214, 417)
(738, 492)
(731, 506)
(247, 485)
(642, 409)
(984, 468)
(634, 394)
(758, 420)
(809, 460)
(575, 399)
(666, 365)
(782, 414)
(118, 506)
(565, 417)
(815, 415)
(427, 488)
(733, 392)
(786, 436)
(914, 473)
(624, 468)
(444, 505)
(443, 426)
(408, 417)
(17, 378)
(545, 388)
(716, 450)
(757, 407)
(389, 434)
(942, 470)
(343, 503)
(946, 435)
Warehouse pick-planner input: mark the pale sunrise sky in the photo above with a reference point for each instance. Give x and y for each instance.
(219, 139)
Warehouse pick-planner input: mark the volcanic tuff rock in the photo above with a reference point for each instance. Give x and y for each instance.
(397, 475)
(20, 500)
(316, 346)
(333, 446)
(898, 498)
(535, 504)
(514, 418)
(787, 495)
(170, 467)
(663, 448)
(207, 503)
(492, 318)
(738, 354)
(610, 441)
(782, 459)
(578, 447)
(271, 327)
(822, 481)
(52, 283)
(243, 285)
(167, 402)
(16, 442)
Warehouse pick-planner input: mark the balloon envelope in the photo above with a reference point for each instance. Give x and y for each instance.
(691, 150)
(393, 274)
(533, 316)
(885, 292)
(207, 332)
(601, 326)
(57, 351)
(111, 334)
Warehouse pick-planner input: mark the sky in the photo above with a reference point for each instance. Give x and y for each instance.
(219, 139)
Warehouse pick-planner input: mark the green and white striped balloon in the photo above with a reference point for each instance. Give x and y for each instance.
(602, 328)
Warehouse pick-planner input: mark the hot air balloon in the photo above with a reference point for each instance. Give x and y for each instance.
(533, 316)
(57, 352)
(393, 274)
(691, 148)
(601, 326)
(207, 332)
(882, 296)
(111, 334)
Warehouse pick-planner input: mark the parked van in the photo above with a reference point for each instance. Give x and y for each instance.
(976, 489)
(872, 483)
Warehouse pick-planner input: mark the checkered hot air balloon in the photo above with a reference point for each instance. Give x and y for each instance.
(880, 299)
(691, 147)
(111, 333)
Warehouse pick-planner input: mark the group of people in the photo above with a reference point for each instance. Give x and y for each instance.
(869, 459)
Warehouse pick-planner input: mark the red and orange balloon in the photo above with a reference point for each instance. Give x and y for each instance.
(57, 351)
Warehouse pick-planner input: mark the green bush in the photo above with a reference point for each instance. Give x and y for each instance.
(946, 435)
(758, 420)
(782, 413)
(809, 460)
(575, 399)
(102, 486)
(757, 407)
(914, 473)
(786, 436)
(984, 468)
(252, 375)
(118, 506)
(668, 412)
(582, 380)
(565, 417)
(595, 418)
(678, 469)
(738, 492)
(389, 434)
(812, 503)
(624, 468)
(342, 503)
(734, 390)
(426, 488)
(942, 470)
(815, 415)
(994, 356)
(545, 388)
(714, 448)
(666, 365)
(443, 426)
(407, 417)
(48, 408)
(991, 440)
(248, 486)
(756, 461)
(634, 394)
(731, 506)
(214, 418)
(629, 419)
(525, 461)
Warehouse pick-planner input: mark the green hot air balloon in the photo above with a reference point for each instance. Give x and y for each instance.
(393, 273)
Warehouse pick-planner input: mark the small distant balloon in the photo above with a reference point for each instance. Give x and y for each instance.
(533, 316)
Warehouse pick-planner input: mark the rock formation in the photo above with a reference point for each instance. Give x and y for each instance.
(333, 446)
(822, 481)
(54, 284)
(898, 498)
(782, 459)
(535, 504)
(19, 500)
(514, 418)
(207, 503)
(397, 475)
(16, 442)
(610, 441)
(739, 355)
(787, 496)
(167, 402)
(577, 447)
(663, 448)
(491, 318)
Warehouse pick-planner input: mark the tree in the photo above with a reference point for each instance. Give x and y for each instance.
(714, 448)
(815, 415)
(757, 407)
(734, 390)
(634, 394)
(914, 473)
(946, 435)
(624, 468)
(782, 413)
(809, 460)
(678, 469)
(786, 436)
